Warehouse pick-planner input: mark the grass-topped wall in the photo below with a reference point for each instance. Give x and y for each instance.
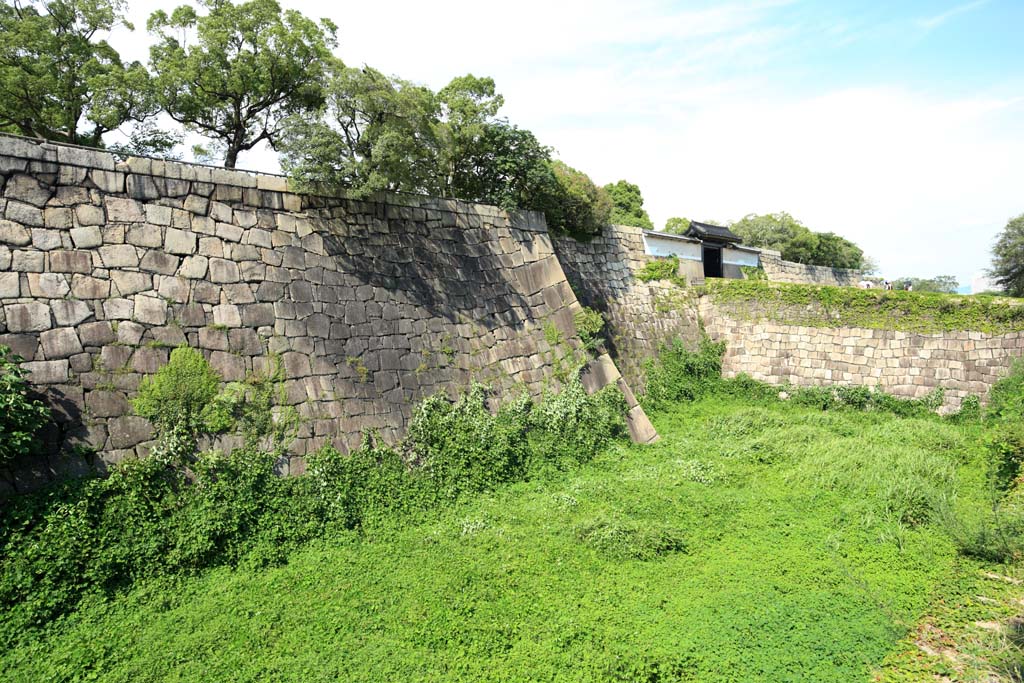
(824, 306)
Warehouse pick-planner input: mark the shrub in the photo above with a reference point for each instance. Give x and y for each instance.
(20, 416)
(679, 374)
(1006, 398)
(659, 269)
(589, 325)
(573, 203)
(176, 400)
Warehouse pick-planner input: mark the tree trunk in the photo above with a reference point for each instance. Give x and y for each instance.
(232, 156)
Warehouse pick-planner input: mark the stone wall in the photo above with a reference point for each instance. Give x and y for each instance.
(370, 305)
(641, 316)
(900, 363)
(778, 270)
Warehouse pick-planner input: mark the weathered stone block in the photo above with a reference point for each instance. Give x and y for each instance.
(9, 285)
(180, 242)
(158, 215)
(230, 367)
(107, 404)
(58, 218)
(25, 261)
(25, 188)
(145, 235)
(119, 256)
(67, 261)
(214, 339)
(87, 237)
(26, 214)
(128, 282)
(32, 317)
(96, 333)
(24, 345)
(47, 371)
(70, 312)
(227, 315)
(14, 234)
(128, 431)
(150, 309)
(86, 287)
(122, 210)
(130, 332)
(45, 240)
(257, 315)
(118, 309)
(222, 271)
(48, 285)
(174, 288)
(158, 262)
(148, 360)
(60, 343)
(87, 214)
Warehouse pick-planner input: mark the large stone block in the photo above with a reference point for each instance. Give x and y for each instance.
(86, 287)
(158, 262)
(26, 214)
(150, 309)
(230, 366)
(32, 317)
(223, 271)
(24, 345)
(128, 282)
(46, 240)
(70, 312)
(107, 404)
(14, 234)
(48, 285)
(71, 262)
(148, 360)
(122, 210)
(28, 261)
(60, 343)
(47, 371)
(25, 188)
(88, 214)
(145, 235)
(119, 256)
(129, 431)
(86, 237)
(10, 287)
(180, 242)
(96, 333)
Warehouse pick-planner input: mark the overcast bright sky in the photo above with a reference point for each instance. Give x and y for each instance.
(895, 124)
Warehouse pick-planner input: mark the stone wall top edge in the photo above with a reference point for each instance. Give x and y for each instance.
(46, 151)
(787, 328)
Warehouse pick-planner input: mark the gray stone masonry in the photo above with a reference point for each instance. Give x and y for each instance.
(370, 304)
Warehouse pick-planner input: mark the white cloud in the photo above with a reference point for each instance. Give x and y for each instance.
(690, 105)
(941, 18)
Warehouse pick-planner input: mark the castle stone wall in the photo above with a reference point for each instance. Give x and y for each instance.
(369, 304)
(778, 270)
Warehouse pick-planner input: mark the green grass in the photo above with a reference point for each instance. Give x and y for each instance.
(756, 541)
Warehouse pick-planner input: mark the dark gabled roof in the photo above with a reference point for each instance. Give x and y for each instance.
(712, 233)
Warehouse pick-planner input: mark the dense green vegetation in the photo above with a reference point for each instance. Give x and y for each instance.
(628, 205)
(21, 415)
(797, 242)
(823, 306)
(830, 537)
(1008, 257)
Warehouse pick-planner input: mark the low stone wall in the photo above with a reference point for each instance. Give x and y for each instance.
(370, 305)
(778, 270)
(900, 363)
(641, 316)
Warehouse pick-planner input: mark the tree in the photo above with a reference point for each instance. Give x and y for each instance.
(945, 284)
(770, 230)
(836, 252)
(677, 225)
(251, 65)
(507, 167)
(58, 81)
(465, 108)
(1008, 257)
(575, 204)
(374, 133)
(628, 205)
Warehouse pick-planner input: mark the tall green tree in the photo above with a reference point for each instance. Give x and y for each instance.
(797, 242)
(575, 205)
(676, 225)
(1008, 257)
(59, 80)
(465, 108)
(770, 230)
(507, 167)
(375, 133)
(628, 205)
(235, 73)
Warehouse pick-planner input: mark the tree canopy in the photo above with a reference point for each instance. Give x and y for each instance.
(59, 80)
(1008, 257)
(797, 242)
(628, 205)
(944, 284)
(676, 225)
(250, 66)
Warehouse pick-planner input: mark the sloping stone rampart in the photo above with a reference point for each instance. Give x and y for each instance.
(370, 304)
(641, 316)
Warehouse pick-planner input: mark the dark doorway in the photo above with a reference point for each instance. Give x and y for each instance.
(712, 261)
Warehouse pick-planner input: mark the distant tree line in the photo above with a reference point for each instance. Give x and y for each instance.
(247, 74)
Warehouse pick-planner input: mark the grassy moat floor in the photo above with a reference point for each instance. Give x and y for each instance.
(758, 541)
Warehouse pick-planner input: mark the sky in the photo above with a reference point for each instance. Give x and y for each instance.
(898, 125)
